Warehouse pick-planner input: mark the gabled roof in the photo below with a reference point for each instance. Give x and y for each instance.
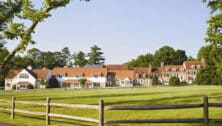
(71, 81)
(116, 66)
(41, 73)
(141, 70)
(193, 64)
(171, 68)
(13, 72)
(86, 72)
(122, 74)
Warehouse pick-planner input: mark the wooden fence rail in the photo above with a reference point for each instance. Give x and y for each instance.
(101, 108)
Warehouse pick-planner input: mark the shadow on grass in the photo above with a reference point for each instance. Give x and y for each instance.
(111, 95)
(167, 100)
(53, 120)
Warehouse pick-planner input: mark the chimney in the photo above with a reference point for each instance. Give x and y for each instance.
(202, 60)
(150, 68)
(29, 67)
(162, 64)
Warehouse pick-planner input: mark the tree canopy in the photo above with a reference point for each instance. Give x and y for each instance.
(212, 53)
(165, 54)
(95, 56)
(80, 59)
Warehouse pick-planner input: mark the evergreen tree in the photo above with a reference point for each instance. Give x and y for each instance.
(66, 56)
(53, 83)
(95, 56)
(80, 59)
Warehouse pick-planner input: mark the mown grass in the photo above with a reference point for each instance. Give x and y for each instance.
(126, 96)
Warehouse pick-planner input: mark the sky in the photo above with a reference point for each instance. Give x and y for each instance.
(124, 29)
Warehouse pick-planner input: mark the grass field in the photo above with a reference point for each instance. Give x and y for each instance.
(127, 96)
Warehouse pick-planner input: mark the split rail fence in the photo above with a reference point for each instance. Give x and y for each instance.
(205, 120)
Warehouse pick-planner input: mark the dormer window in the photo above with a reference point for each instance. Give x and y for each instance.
(116, 76)
(59, 75)
(144, 76)
(96, 75)
(192, 66)
(198, 66)
(78, 75)
(167, 69)
(23, 76)
(137, 75)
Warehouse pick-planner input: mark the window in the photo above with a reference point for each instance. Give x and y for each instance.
(59, 75)
(96, 75)
(137, 75)
(25, 76)
(22, 87)
(145, 76)
(78, 75)
(8, 84)
(96, 84)
(76, 85)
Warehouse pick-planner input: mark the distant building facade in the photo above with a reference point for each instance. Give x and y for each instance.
(104, 75)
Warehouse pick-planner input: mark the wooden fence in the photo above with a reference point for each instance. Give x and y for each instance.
(205, 120)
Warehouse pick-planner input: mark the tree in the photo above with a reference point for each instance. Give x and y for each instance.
(80, 59)
(66, 56)
(48, 59)
(156, 81)
(3, 52)
(209, 75)
(36, 55)
(214, 30)
(180, 56)
(165, 54)
(174, 81)
(19, 31)
(58, 59)
(82, 82)
(21, 62)
(141, 61)
(53, 83)
(95, 56)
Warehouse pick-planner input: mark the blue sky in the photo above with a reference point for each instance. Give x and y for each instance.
(124, 29)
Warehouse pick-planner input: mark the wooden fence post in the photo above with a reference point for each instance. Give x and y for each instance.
(13, 108)
(47, 111)
(206, 112)
(101, 112)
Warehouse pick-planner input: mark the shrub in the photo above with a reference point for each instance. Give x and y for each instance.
(82, 82)
(183, 82)
(14, 87)
(42, 82)
(30, 86)
(156, 81)
(53, 83)
(174, 81)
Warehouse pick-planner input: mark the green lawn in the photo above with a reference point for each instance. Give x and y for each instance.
(127, 96)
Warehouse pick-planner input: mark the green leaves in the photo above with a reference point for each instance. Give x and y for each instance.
(14, 31)
(56, 3)
(214, 37)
